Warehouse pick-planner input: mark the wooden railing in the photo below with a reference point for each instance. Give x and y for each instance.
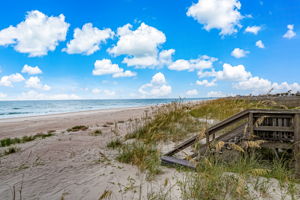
(279, 128)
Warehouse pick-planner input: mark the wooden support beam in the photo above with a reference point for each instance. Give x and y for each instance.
(250, 126)
(297, 144)
(274, 128)
(177, 161)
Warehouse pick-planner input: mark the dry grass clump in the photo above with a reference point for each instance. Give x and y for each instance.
(10, 141)
(217, 179)
(77, 128)
(220, 109)
(144, 156)
(114, 144)
(168, 122)
(96, 132)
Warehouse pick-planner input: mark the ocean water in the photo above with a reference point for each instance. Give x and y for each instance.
(11, 109)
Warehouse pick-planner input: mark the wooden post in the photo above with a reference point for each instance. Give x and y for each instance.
(250, 126)
(207, 140)
(297, 144)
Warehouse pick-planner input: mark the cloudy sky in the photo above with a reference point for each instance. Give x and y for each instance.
(58, 49)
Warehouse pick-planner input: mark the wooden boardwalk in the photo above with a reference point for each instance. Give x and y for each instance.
(278, 128)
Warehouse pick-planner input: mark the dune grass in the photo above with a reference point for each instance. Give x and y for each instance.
(145, 156)
(215, 177)
(96, 132)
(220, 109)
(11, 141)
(114, 144)
(168, 122)
(77, 128)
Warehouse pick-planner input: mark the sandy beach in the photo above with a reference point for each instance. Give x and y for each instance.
(71, 165)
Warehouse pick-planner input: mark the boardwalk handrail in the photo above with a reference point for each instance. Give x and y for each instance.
(229, 121)
(277, 125)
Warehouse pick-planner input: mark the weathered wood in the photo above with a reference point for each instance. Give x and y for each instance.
(229, 121)
(183, 145)
(297, 144)
(274, 128)
(250, 125)
(177, 161)
(280, 128)
(279, 145)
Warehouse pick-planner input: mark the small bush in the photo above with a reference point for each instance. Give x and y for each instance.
(77, 128)
(10, 141)
(114, 144)
(169, 122)
(145, 156)
(96, 133)
(11, 150)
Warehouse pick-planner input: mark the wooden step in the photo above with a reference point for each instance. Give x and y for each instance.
(183, 145)
(177, 161)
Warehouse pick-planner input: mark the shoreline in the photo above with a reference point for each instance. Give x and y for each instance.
(21, 126)
(61, 114)
(57, 111)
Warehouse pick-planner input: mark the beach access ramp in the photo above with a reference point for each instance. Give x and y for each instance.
(279, 129)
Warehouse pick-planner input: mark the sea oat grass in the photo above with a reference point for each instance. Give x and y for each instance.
(145, 156)
(11, 141)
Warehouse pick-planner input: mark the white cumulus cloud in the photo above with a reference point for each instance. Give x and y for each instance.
(239, 53)
(105, 66)
(260, 44)
(259, 85)
(157, 87)
(9, 80)
(88, 39)
(253, 29)
(216, 94)
(36, 35)
(104, 92)
(141, 46)
(2, 95)
(203, 62)
(206, 83)
(31, 70)
(290, 32)
(192, 92)
(33, 95)
(35, 82)
(219, 14)
(233, 73)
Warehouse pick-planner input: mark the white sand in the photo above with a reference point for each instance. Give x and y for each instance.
(74, 165)
(77, 165)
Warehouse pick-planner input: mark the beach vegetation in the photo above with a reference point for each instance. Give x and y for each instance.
(96, 132)
(114, 144)
(171, 122)
(10, 150)
(11, 141)
(220, 109)
(217, 176)
(145, 156)
(77, 128)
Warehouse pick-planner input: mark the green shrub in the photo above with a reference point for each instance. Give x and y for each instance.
(114, 144)
(77, 128)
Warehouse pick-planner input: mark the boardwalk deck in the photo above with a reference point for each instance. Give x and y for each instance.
(279, 128)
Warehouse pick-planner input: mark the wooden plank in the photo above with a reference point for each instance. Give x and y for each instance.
(280, 145)
(297, 144)
(266, 111)
(228, 121)
(238, 131)
(274, 128)
(177, 161)
(183, 145)
(286, 115)
(250, 125)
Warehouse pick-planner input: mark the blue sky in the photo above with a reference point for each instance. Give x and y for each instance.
(147, 49)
